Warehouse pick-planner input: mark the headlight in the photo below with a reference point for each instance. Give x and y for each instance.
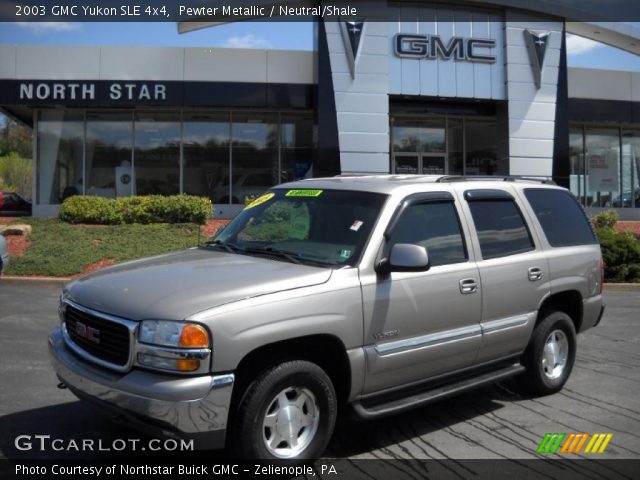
(173, 334)
(186, 344)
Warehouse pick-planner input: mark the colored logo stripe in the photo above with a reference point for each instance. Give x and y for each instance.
(574, 442)
(598, 442)
(550, 442)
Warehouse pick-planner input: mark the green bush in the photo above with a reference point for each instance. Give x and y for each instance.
(15, 174)
(143, 209)
(620, 250)
(606, 219)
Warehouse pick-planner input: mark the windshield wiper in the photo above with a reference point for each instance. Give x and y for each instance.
(229, 247)
(290, 256)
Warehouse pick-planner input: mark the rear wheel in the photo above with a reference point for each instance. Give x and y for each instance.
(287, 412)
(550, 356)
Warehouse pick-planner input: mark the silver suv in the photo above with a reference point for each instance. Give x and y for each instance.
(373, 293)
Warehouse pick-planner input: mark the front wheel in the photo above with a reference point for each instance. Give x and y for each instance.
(288, 412)
(550, 356)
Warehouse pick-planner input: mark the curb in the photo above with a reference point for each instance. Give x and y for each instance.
(18, 278)
(622, 286)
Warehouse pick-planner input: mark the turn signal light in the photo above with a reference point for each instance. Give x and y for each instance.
(193, 336)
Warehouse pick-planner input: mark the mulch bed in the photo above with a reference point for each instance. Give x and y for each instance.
(95, 266)
(212, 227)
(633, 227)
(16, 244)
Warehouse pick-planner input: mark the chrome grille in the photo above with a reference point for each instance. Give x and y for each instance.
(101, 338)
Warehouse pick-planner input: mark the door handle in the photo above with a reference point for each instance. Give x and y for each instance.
(535, 273)
(468, 285)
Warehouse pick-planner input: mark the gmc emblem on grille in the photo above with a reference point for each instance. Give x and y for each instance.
(89, 333)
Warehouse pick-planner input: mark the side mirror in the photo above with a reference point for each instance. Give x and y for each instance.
(405, 257)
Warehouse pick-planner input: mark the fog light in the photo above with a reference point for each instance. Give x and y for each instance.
(180, 364)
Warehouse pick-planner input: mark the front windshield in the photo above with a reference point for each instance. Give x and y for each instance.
(321, 227)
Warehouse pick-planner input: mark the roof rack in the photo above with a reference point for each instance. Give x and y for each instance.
(355, 174)
(504, 178)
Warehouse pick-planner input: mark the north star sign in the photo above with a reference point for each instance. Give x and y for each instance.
(432, 47)
(87, 91)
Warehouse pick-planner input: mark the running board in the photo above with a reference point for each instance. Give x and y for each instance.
(368, 409)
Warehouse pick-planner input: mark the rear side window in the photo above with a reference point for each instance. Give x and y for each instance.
(562, 219)
(501, 228)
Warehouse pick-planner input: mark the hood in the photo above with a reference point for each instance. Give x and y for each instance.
(177, 285)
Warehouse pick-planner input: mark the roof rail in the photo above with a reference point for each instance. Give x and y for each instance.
(504, 178)
(353, 175)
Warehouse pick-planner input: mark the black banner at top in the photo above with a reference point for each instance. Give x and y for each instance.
(285, 10)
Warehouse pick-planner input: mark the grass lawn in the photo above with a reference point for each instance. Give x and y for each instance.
(61, 249)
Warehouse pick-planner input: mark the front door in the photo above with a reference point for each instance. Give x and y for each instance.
(422, 324)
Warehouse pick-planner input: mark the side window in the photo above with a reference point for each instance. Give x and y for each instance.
(433, 225)
(562, 219)
(501, 228)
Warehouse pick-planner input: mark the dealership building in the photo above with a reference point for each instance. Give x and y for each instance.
(457, 88)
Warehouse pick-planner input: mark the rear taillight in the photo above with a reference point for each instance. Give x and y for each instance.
(601, 275)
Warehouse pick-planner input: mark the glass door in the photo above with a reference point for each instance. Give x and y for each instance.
(433, 164)
(406, 163)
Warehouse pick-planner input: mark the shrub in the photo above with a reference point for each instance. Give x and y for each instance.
(606, 219)
(621, 253)
(15, 174)
(88, 209)
(142, 209)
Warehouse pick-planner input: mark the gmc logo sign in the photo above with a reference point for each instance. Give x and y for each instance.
(88, 333)
(432, 46)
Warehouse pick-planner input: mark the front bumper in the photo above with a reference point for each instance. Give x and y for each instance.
(186, 407)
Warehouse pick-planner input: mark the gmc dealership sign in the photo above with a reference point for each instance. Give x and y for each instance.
(432, 47)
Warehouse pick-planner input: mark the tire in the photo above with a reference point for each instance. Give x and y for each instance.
(288, 412)
(548, 366)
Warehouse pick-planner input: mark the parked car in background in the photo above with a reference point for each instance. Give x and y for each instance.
(13, 205)
(626, 200)
(4, 254)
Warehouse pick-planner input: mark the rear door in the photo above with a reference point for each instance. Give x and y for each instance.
(513, 271)
(422, 324)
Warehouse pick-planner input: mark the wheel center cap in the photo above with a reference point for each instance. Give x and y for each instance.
(288, 421)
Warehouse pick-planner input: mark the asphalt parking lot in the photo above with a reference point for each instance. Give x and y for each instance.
(603, 395)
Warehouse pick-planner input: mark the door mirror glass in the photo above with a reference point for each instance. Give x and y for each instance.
(405, 257)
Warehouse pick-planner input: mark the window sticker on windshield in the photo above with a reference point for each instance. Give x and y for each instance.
(260, 200)
(345, 253)
(303, 193)
(355, 226)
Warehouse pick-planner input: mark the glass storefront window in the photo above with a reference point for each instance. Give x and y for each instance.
(419, 135)
(630, 168)
(60, 156)
(205, 140)
(157, 153)
(576, 163)
(455, 143)
(108, 154)
(602, 158)
(298, 140)
(255, 168)
(481, 148)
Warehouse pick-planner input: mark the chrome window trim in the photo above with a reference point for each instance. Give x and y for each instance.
(428, 340)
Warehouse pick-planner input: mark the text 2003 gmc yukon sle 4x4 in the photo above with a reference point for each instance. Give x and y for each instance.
(379, 293)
